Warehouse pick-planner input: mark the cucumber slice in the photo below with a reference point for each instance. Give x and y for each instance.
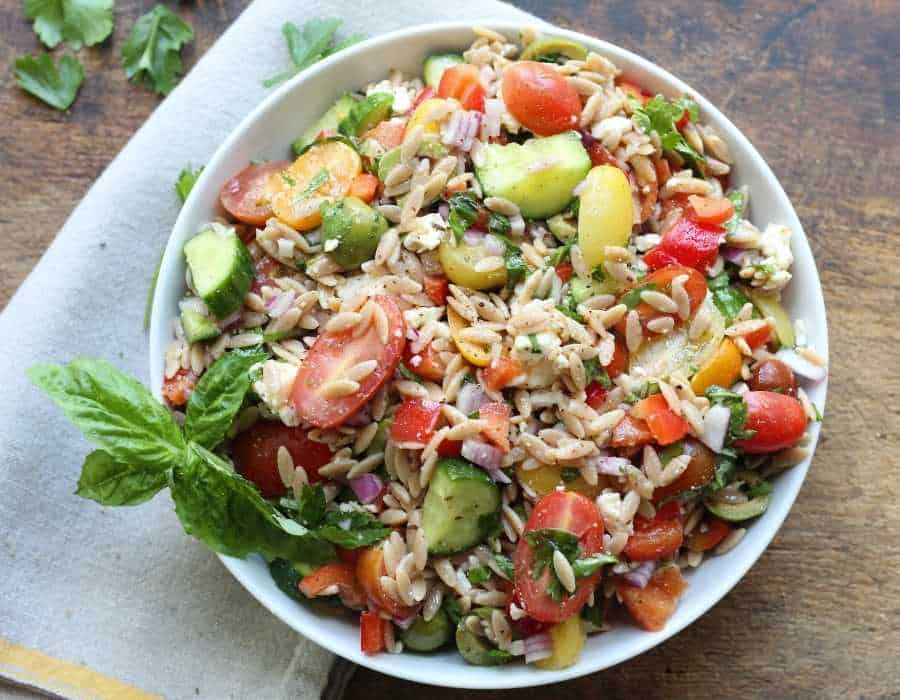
(736, 512)
(563, 230)
(366, 114)
(461, 507)
(436, 65)
(476, 650)
(287, 576)
(538, 175)
(428, 636)
(387, 162)
(553, 48)
(769, 304)
(221, 268)
(198, 327)
(327, 122)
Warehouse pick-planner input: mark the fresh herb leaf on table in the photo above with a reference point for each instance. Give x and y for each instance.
(312, 43)
(151, 53)
(77, 22)
(56, 85)
(187, 178)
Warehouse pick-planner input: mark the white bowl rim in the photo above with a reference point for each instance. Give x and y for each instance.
(762, 531)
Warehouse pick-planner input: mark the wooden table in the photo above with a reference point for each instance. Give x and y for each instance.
(816, 87)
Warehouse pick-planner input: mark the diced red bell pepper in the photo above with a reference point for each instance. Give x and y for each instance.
(564, 271)
(364, 186)
(500, 372)
(759, 337)
(691, 243)
(709, 535)
(665, 425)
(595, 395)
(426, 364)
(658, 537)
(371, 632)
(340, 574)
(630, 432)
(652, 605)
(497, 415)
(436, 287)
(463, 82)
(450, 448)
(710, 210)
(415, 421)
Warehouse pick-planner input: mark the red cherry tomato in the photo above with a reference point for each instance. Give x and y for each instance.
(629, 433)
(436, 287)
(497, 416)
(709, 535)
(758, 337)
(779, 422)
(243, 195)
(652, 605)
(710, 210)
(633, 90)
(427, 363)
(177, 389)
(450, 448)
(559, 510)
(700, 471)
(255, 453)
(463, 83)
(415, 421)
(665, 425)
(371, 632)
(773, 375)
(369, 570)
(339, 574)
(619, 359)
(564, 271)
(688, 242)
(540, 98)
(500, 372)
(388, 133)
(695, 286)
(658, 537)
(333, 354)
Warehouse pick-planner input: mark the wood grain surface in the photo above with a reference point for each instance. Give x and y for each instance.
(816, 87)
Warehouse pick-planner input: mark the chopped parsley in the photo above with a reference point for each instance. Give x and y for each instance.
(407, 373)
(152, 53)
(595, 372)
(319, 179)
(560, 254)
(729, 300)
(739, 201)
(569, 474)
(478, 575)
(498, 224)
(463, 213)
(633, 297)
(643, 392)
(505, 565)
(516, 267)
(738, 407)
(185, 182)
(535, 345)
(660, 115)
(760, 488)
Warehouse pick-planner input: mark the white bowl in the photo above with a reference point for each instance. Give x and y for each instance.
(268, 133)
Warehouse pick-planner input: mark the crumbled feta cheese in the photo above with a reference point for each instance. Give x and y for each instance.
(534, 347)
(769, 268)
(274, 388)
(330, 245)
(426, 233)
(402, 98)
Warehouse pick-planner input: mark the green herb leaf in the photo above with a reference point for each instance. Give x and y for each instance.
(591, 565)
(111, 483)
(55, 85)
(738, 407)
(453, 609)
(463, 213)
(78, 22)
(311, 506)
(505, 565)
(151, 54)
(660, 115)
(407, 373)
(568, 474)
(739, 200)
(319, 179)
(223, 510)
(478, 575)
(218, 397)
(498, 224)
(113, 411)
(516, 267)
(593, 614)
(560, 254)
(544, 542)
(760, 488)
(569, 310)
(633, 297)
(352, 529)
(595, 372)
(185, 182)
(535, 345)
(729, 300)
(310, 44)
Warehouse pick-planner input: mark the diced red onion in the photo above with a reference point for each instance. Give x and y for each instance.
(278, 306)
(516, 225)
(367, 487)
(537, 647)
(641, 576)
(556, 290)
(608, 466)
(405, 623)
(411, 333)
(473, 237)
(360, 418)
(536, 230)
(472, 124)
(490, 123)
(801, 366)
(493, 245)
(498, 476)
(485, 456)
(715, 427)
(469, 397)
(450, 134)
(313, 237)
(733, 255)
(444, 210)
(230, 320)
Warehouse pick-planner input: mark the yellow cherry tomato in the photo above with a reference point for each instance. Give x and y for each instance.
(567, 640)
(473, 354)
(547, 478)
(605, 213)
(322, 174)
(723, 368)
(422, 114)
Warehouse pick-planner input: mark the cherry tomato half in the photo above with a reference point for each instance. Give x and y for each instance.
(339, 574)
(369, 570)
(540, 98)
(652, 605)
(243, 195)
(773, 375)
(255, 453)
(779, 422)
(658, 537)
(560, 510)
(333, 354)
(700, 470)
(695, 286)
(463, 83)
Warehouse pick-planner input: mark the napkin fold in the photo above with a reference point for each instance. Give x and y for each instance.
(122, 591)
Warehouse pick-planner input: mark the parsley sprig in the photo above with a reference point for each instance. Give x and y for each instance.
(312, 43)
(660, 115)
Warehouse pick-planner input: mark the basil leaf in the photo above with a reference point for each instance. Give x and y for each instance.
(516, 267)
(738, 407)
(408, 374)
(225, 511)
(729, 300)
(546, 541)
(218, 397)
(352, 529)
(311, 506)
(591, 565)
(463, 213)
(113, 411)
(632, 298)
(498, 224)
(110, 483)
(78, 22)
(505, 565)
(760, 488)
(152, 52)
(739, 200)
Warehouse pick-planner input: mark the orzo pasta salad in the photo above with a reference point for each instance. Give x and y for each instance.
(490, 361)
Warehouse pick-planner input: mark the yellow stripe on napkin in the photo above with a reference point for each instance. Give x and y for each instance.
(32, 668)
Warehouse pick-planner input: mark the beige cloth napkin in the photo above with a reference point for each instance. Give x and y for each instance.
(124, 591)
